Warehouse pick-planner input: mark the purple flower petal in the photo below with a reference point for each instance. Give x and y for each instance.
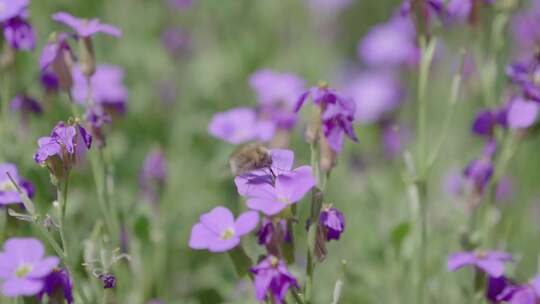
(246, 222)
(522, 114)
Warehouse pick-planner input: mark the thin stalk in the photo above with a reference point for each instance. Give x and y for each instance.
(427, 51)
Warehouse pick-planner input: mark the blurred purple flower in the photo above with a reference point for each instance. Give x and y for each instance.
(63, 148)
(460, 11)
(376, 93)
(453, 183)
(525, 29)
(277, 94)
(107, 85)
(49, 81)
(390, 44)
(527, 77)
(153, 175)
(394, 138)
(180, 4)
(23, 267)
(58, 284)
(19, 34)
(217, 230)
(240, 125)
(337, 114)
(480, 170)
(522, 294)
(96, 117)
(86, 28)
(55, 62)
(491, 262)
(25, 105)
(273, 232)
(333, 223)
(8, 192)
(54, 50)
(287, 189)
(273, 278)
(495, 288)
(522, 113)
(176, 41)
(12, 8)
(504, 189)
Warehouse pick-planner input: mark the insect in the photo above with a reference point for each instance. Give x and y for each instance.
(249, 157)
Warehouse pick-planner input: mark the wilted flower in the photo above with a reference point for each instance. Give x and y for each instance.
(56, 59)
(240, 125)
(86, 27)
(376, 94)
(19, 34)
(491, 262)
(96, 117)
(273, 278)
(107, 87)
(8, 192)
(23, 267)
(271, 232)
(333, 222)
(58, 286)
(390, 44)
(337, 114)
(217, 230)
(153, 175)
(63, 148)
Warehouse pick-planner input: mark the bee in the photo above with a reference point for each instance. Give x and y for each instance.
(249, 157)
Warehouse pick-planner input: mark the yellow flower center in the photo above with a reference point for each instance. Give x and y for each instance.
(227, 234)
(322, 84)
(7, 186)
(23, 270)
(481, 254)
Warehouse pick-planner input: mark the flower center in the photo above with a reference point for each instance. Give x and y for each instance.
(7, 186)
(480, 254)
(274, 261)
(322, 84)
(23, 270)
(227, 234)
(283, 200)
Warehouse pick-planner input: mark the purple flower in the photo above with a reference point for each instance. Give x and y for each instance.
(153, 175)
(277, 94)
(272, 277)
(522, 113)
(55, 60)
(49, 81)
(180, 4)
(63, 148)
(495, 288)
(19, 34)
(522, 294)
(479, 171)
(460, 11)
(217, 230)
(337, 114)
(525, 29)
(23, 267)
(97, 117)
(527, 77)
(86, 28)
(58, 284)
(240, 125)
(12, 8)
(491, 262)
(333, 222)
(376, 94)
(176, 41)
(288, 189)
(108, 279)
(25, 105)
(273, 232)
(107, 85)
(390, 44)
(8, 192)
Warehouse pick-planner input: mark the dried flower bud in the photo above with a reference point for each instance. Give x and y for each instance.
(108, 279)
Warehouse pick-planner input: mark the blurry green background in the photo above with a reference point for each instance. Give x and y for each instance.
(230, 40)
